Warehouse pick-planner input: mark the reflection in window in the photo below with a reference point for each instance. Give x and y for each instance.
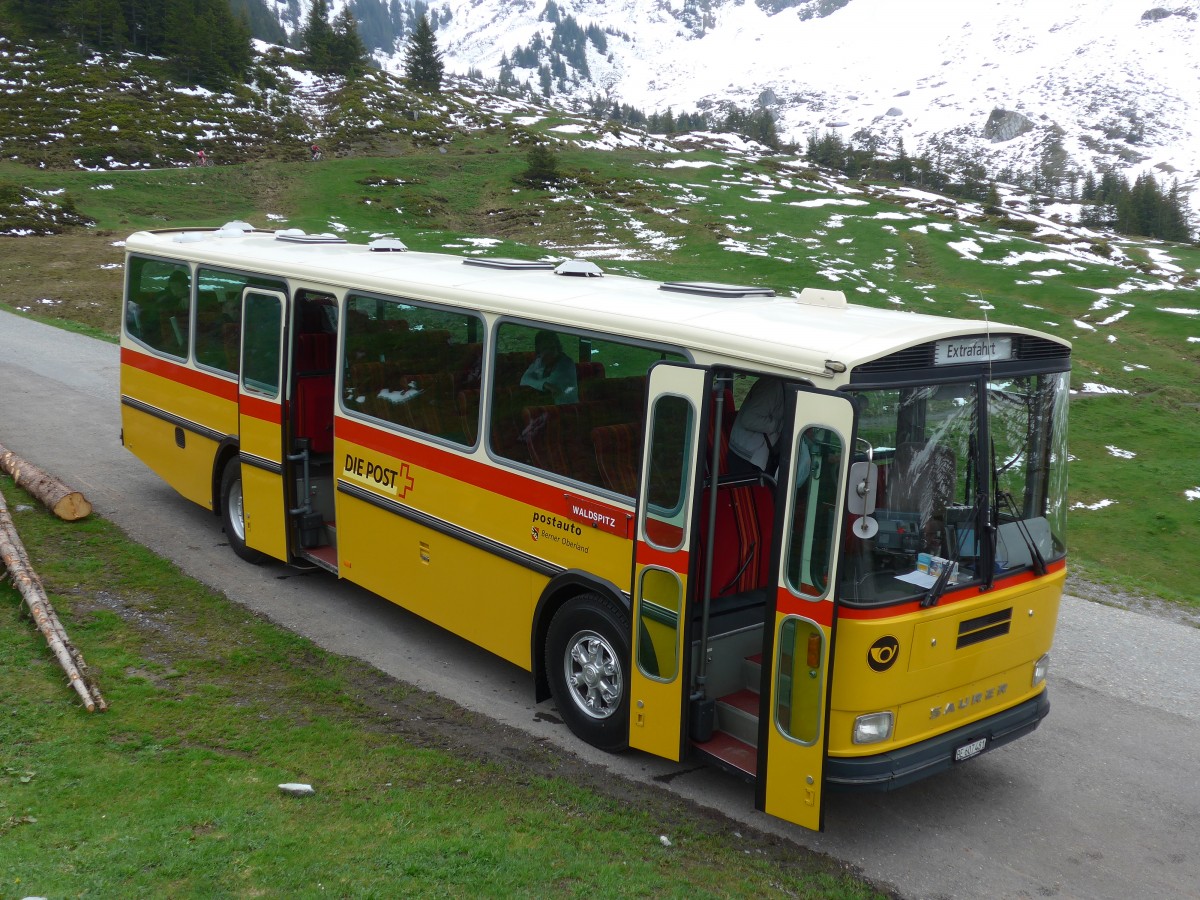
(661, 599)
(1027, 425)
(800, 676)
(414, 366)
(671, 428)
(219, 315)
(158, 304)
(570, 404)
(264, 319)
(924, 442)
(817, 484)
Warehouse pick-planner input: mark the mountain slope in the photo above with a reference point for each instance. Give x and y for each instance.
(1020, 85)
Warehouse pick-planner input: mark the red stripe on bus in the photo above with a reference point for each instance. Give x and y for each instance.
(463, 469)
(268, 411)
(819, 611)
(180, 374)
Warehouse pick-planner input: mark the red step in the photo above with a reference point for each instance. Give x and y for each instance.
(731, 752)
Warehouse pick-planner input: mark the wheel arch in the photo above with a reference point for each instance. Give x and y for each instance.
(226, 450)
(560, 590)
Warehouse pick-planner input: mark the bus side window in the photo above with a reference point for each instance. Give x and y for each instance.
(158, 305)
(407, 364)
(219, 315)
(570, 405)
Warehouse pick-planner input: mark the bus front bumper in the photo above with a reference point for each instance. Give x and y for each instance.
(889, 771)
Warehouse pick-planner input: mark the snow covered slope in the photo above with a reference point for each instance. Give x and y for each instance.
(1089, 83)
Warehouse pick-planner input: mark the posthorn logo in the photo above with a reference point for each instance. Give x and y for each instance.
(883, 653)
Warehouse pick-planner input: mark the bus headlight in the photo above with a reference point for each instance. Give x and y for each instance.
(873, 728)
(1040, 668)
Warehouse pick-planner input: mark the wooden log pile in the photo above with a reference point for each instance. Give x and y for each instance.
(29, 585)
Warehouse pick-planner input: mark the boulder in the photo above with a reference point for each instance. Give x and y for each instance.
(1005, 124)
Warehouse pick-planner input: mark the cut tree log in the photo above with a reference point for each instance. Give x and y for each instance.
(65, 503)
(29, 585)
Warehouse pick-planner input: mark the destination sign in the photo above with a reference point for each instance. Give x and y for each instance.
(958, 351)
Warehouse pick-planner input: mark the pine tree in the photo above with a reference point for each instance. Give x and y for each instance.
(98, 23)
(317, 38)
(348, 54)
(542, 166)
(423, 66)
(1173, 223)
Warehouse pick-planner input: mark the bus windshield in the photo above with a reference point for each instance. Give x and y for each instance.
(969, 484)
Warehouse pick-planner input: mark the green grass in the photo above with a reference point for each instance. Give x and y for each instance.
(173, 791)
(1150, 533)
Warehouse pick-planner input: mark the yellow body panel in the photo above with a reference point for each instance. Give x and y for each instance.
(473, 592)
(263, 498)
(933, 685)
(655, 704)
(796, 759)
(152, 439)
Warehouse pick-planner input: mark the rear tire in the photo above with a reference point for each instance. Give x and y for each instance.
(587, 664)
(233, 516)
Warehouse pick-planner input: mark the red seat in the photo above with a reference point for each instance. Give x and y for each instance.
(618, 456)
(314, 413)
(313, 401)
(742, 542)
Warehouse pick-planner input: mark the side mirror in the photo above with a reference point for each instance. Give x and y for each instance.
(862, 489)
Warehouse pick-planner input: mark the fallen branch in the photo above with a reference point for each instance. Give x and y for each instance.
(65, 503)
(27, 582)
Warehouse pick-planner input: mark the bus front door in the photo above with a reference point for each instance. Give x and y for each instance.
(658, 683)
(260, 421)
(798, 642)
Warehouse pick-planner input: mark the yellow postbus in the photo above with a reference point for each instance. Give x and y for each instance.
(819, 545)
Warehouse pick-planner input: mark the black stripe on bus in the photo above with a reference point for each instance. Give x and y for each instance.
(258, 462)
(457, 532)
(178, 421)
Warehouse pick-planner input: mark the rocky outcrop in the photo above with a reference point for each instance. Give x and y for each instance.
(1005, 124)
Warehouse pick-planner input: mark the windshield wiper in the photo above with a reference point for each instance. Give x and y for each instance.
(1035, 555)
(934, 594)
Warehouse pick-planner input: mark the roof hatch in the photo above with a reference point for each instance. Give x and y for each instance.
(297, 236)
(712, 289)
(512, 265)
(580, 268)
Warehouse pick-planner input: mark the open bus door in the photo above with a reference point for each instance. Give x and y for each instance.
(798, 640)
(261, 421)
(658, 686)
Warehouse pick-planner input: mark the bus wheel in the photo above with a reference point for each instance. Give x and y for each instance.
(232, 514)
(587, 660)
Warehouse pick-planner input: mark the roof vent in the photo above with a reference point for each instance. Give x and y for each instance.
(189, 237)
(818, 297)
(235, 229)
(710, 289)
(500, 262)
(297, 236)
(580, 268)
(386, 245)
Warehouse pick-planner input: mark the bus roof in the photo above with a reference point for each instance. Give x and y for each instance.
(812, 333)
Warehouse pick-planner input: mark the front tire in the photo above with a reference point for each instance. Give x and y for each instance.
(233, 516)
(587, 663)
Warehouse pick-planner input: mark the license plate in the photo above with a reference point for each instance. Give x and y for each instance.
(966, 751)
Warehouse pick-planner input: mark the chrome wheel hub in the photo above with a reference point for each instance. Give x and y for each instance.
(593, 673)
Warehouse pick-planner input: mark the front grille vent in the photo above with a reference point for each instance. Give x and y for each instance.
(984, 628)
